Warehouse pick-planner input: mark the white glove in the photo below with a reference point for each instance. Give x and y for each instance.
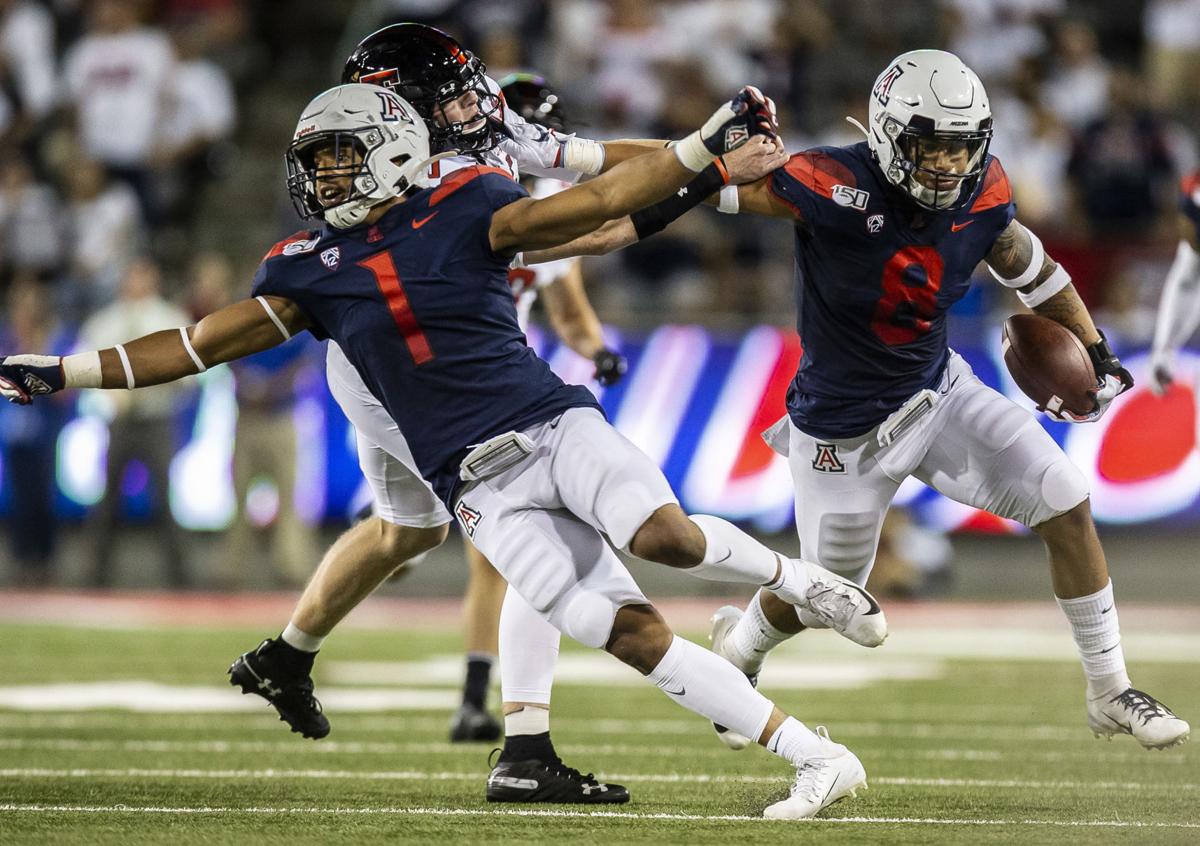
(1109, 389)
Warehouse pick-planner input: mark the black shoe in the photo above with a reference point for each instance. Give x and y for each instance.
(550, 781)
(470, 723)
(260, 672)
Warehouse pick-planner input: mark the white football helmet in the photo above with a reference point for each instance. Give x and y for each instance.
(930, 126)
(355, 147)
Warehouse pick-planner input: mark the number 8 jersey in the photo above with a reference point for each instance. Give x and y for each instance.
(875, 276)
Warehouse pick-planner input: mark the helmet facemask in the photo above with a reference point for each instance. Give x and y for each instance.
(328, 175)
(940, 169)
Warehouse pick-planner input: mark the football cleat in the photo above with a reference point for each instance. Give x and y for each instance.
(471, 723)
(550, 781)
(1151, 723)
(723, 623)
(821, 781)
(833, 602)
(260, 672)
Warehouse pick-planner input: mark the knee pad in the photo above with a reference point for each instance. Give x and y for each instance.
(1062, 487)
(846, 542)
(588, 617)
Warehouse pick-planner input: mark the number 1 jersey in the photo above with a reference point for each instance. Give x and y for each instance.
(875, 276)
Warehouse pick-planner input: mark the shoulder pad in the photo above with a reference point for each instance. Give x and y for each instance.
(298, 242)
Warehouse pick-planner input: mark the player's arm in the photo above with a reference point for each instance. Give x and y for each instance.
(756, 198)
(1019, 261)
(236, 331)
(751, 161)
(529, 224)
(1179, 309)
(575, 322)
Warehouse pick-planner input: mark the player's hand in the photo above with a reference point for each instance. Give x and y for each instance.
(530, 144)
(1114, 381)
(610, 367)
(755, 159)
(749, 113)
(22, 377)
(1161, 373)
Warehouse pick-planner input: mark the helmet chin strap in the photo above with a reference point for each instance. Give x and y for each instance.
(353, 213)
(931, 197)
(856, 123)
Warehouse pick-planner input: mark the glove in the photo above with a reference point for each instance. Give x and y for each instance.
(1114, 381)
(610, 367)
(1161, 375)
(748, 113)
(22, 377)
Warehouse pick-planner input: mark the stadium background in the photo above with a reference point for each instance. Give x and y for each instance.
(1096, 120)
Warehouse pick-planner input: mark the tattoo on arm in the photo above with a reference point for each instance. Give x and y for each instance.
(1067, 308)
(1013, 251)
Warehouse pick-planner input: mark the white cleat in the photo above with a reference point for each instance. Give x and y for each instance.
(1132, 712)
(723, 621)
(833, 602)
(820, 782)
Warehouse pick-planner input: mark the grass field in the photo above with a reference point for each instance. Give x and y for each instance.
(969, 733)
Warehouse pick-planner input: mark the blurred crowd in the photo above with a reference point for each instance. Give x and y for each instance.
(143, 179)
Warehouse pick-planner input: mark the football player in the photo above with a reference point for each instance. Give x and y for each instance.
(1179, 310)
(887, 234)
(412, 284)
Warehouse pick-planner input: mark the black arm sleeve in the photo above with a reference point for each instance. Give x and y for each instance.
(655, 218)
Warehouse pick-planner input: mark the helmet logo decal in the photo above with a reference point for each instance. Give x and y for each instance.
(390, 107)
(883, 87)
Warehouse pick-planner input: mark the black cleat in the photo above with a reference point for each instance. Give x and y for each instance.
(473, 724)
(550, 781)
(261, 673)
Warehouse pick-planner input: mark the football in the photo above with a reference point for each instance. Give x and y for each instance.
(1048, 363)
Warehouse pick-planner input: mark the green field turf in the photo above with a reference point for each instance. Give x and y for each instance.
(963, 751)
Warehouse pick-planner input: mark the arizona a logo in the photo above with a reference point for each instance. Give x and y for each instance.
(826, 460)
(390, 107)
(332, 257)
(883, 88)
(468, 516)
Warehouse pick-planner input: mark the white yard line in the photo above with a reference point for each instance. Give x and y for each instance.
(644, 778)
(530, 812)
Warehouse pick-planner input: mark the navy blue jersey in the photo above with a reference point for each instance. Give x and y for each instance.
(421, 307)
(875, 277)
(1189, 202)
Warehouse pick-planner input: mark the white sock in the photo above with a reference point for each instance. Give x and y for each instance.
(528, 652)
(752, 638)
(731, 555)
(708, 685)
(795, 742)
(529, 720)
(301, 640)
(1097, 635)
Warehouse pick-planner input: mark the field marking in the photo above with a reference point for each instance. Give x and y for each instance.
(644, 778)
(351, 747)
(623, 815)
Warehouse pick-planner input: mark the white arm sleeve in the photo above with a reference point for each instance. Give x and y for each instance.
(1179, 310)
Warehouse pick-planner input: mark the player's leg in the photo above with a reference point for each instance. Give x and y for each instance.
(613, 485)
(565, 570)
(481, 619)
(994, 455)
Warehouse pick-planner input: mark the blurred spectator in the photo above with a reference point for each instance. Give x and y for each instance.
(1120, 169)
(104, 225)
(1077, 84)
(118, 78)
(994, 36)
(27, 71)
(29, 437)
(141, 428)
(31, 236)
(1172, 30)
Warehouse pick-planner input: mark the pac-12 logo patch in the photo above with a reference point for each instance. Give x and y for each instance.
(875, 224)
(852, 198)
(826, 460)
(468, 516)
(332, 257)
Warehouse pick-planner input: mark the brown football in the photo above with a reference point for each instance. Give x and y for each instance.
(1049, 363)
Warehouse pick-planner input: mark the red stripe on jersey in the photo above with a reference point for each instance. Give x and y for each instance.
(460, 178)
(1190, 183)
(996, 190)
(819, 172)
(302, 235)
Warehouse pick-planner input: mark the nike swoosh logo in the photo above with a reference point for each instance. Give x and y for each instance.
(954, 227)
(1111, 648)
(682, 690)
(417, 224)
(1106, 610)
(836, 779)
(875, 609)
(953, 382)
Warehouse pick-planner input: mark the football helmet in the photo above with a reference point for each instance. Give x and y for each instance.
(355, 147)
(429, 69)
(532, 98)
(929, 128)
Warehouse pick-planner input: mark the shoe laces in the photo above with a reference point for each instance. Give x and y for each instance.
(1142, 705)
(302, 690)
(569, 772)
(832, 600)
(809, 774)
